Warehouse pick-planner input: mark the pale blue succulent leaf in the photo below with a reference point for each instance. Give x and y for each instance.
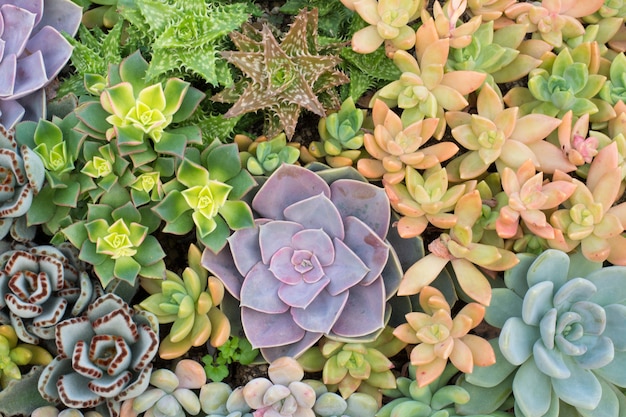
(504, 304)
(581, 389)
(614, 330)
(573, 291)
(517, 339)
(551, 265)
(614, 372)
(537, 302)
(532, 391)
(550, 361)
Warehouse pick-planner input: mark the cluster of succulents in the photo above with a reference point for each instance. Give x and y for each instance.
(384, 208)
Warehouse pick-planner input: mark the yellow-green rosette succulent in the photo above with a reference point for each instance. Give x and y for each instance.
(191, 304)
(14, 355)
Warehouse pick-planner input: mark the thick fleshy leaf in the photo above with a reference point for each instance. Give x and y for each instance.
(74, 391)
(321, 314)
(346, 271)
(363, 312)
(364, 201)
(275, 235)
(532, 390)
(317, 242)
(517, 339)
(537, 302)
(245, 249)
(582, 389)
(301, 294)
(367, 245)
(270, 330)
(260, 289)
(287, 185)
(223, 267)
(326, 216)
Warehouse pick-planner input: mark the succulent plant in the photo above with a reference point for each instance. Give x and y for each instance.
(283, 394)
(41, 286)
(100, 13)
(117, 244)
(104, 356)
(589, 217)
(185, 35)
(427, 90)
(51, 411)
(170, 393)
(329, 404)
(14, 354)
(502, 136)
(459, 249)
(387, 23)
(446, 23)
(439, 337)
(529, 197)
(218, 399)
(568, 82)
(139, 116)
(489, 9)
(553, 20)
(282, 78)
(191, 304)
(348, 367)
(310, 275)
(263, 156)
(341, 135)
(206, 193)
(577, 146)
(393, 146)
(560, 342)
(22, 177)
(424, 199)
(614, 89)
(234, 350)
(34, 53)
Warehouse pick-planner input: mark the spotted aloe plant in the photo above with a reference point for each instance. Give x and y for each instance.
(85, 373)
(310, 274)
(39, 287)
(206, 193)
(117, 244)
(33, 53)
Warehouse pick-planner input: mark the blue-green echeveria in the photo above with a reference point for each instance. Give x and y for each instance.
(314, 259)
(104, 356)
(562, 345)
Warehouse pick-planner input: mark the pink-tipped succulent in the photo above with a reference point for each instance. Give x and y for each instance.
(590, 218)
(489, 9)
(446, 23)
(439, 337)
(553, 20)
(499, 135)
(459, 249)
(577, 146)
(424, 199)
(529, 197)
(393, 146)
(388, 23)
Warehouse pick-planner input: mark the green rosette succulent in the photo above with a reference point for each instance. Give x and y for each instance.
(58, 145)
(614, 89)
(263, 156)
(138, 116)
(14, 354)
(117, 244)
(205, 194)
(570, 81)
(191, 304)
(562, 349)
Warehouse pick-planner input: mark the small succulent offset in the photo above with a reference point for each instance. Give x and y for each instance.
(315, 258)
(282, 78)
(439, 337)
(263, 156)
(206, 193)
(561, 317)
(117, 244)
(170, 393)
(191, 304)
(22, 175)
(283, 394)
(41, 286)
(388, 23)
(341, 135)
(14, 354)
(104, 356)
(33, 53)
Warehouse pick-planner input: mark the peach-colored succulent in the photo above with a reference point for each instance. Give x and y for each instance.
(488, 9)
(553, 20)
(445, 23)
(425, 89)
(497, 135)
(439, 337)
(577, 146)
(392, 146)
(589, 218)
(463, 253)
(529, 196)
(424, 199)
(388, 23)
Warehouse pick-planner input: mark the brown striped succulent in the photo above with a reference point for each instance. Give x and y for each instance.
(104, 356)
(41, 286)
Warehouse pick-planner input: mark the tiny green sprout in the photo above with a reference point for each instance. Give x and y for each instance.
(234, 350)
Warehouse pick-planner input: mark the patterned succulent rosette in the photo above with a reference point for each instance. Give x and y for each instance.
(39, 287)
(32, 54)
(104, 356)
(316, 263)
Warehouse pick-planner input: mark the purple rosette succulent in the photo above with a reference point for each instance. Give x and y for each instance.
(312, 265)
(32, 52)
